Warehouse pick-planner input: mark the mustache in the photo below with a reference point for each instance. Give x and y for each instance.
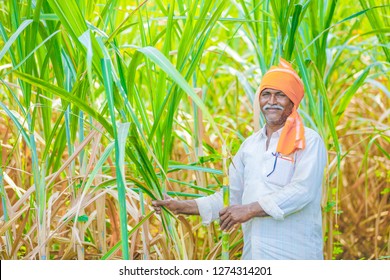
(267, 106)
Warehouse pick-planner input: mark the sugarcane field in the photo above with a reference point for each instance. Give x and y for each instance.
(195, 130)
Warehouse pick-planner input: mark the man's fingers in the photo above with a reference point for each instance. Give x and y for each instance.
(223, 211)
(230, 225)
(224, 222)
(224, 217)
(228, 218)
(157, 209)
(169, 204)
(159, 202)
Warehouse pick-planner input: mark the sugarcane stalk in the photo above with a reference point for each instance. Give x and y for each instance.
(225, 191)
(145, 255)
(8, 236)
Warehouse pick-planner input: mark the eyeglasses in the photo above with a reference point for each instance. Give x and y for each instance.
(279, 155)
(276, 155)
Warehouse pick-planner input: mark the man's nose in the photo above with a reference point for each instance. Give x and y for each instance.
(272, 99)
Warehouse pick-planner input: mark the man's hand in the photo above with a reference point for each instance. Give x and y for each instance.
(237, 214)
(176, 206)
(168, 202)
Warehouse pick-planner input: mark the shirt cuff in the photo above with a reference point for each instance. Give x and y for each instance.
(271, 208)
(205, 210)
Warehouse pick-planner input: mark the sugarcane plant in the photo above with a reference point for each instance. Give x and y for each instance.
(226, 199)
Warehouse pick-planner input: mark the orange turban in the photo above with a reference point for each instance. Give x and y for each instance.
(285, 79)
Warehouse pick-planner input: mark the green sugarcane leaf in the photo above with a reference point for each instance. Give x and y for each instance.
(76, 101)
(14, 36)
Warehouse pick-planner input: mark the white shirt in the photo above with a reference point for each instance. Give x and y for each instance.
(290, 195)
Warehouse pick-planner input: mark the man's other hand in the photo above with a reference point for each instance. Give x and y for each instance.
(237, 214)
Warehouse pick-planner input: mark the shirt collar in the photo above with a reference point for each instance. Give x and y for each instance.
(263, 132)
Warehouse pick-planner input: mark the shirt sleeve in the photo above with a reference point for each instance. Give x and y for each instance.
(305, 185)
(210, 206)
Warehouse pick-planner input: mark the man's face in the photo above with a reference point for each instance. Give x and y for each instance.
(276, 106)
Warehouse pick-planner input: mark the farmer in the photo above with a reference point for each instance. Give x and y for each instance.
(275, 179)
